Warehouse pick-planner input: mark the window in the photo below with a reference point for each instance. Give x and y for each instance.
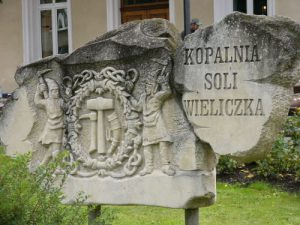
(115, 10)
(46, 28)
(256, 7)
(240, 5)
(144, 9)
(136, 2)
(54, 27)
(260, 7)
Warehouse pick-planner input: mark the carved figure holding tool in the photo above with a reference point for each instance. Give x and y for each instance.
(48, 97)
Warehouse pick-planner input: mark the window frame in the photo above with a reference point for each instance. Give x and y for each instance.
(225, 7)
(31, 18)
(114, 13)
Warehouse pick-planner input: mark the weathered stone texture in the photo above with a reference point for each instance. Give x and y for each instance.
(123, 121)
(238, 74)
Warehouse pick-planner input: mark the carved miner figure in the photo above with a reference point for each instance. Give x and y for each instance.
(154, 130)
(47, 96)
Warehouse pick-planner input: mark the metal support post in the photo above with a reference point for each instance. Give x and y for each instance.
(94, 212)
(192, 217)
(187, 17)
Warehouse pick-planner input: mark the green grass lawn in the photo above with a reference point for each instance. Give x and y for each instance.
(258, 204)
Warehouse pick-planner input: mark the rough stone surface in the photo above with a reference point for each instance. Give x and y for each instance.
(112, 104)
(17, 124)
(184, 190)
(236, 79)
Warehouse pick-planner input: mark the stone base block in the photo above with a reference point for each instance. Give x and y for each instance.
(187, 189)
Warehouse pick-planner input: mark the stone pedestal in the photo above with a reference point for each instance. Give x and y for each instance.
(187, 189)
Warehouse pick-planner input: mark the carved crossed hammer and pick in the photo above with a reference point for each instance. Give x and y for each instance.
(98, 105)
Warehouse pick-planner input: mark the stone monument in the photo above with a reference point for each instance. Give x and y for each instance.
(145, 116)
(236, 80)
(113, 105)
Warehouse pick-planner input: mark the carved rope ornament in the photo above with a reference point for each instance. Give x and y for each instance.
(123, 157)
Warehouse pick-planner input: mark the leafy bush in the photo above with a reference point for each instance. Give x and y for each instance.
(284, 159)
(33, 199)
(226, 165)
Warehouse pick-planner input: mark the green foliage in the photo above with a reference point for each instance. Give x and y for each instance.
(1, 148)
(256, 204)
(226, 165)
(108, 215)
(35, 198)
(284, 159)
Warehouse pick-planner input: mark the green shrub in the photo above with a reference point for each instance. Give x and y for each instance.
(284, 159)
(33, 199)
(226, 165)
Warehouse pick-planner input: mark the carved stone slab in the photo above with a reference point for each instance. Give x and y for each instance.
(236, 79)
(187, 189)
(113, 105)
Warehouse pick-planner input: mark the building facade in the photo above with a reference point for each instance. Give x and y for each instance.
(33, 29)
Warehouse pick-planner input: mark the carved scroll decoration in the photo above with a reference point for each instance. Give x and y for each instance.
(123, 157)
